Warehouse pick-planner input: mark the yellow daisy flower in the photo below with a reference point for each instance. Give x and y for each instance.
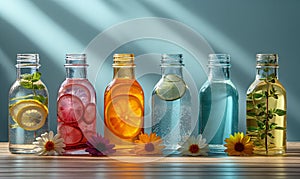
(239, 145)
(148, 144)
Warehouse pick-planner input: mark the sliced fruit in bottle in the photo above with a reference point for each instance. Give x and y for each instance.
(78, 90)
(71, 135)
(69, 108)
(124, 116)
(15, 108)
(130, 87)
(90, 113)
(29, 114)
(172, 87)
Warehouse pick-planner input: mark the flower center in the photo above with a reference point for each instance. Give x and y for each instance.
(194, 148)
(49, 146)
(101, 147)
(149, 147)
(239, 147)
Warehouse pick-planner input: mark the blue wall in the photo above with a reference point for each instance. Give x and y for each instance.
(241, 28)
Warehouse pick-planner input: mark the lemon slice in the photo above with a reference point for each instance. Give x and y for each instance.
(29, 114)
(15, 108)
(172, 87)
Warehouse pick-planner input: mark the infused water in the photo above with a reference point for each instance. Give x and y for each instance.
(123, 104)
(219, 113)
(276, 145)
(76, 106)
(28, 105)
(172, 120)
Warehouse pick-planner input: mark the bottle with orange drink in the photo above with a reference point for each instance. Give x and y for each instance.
(123, 103)
(76, 106)
(28, 105)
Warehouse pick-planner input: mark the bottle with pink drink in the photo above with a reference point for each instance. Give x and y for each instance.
(76, 106)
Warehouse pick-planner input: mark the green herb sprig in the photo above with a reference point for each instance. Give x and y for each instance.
(262, 112)
(29, 81)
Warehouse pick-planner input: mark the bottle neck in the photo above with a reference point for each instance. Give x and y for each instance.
(176, 70)
(76, 66)
(218, 73)
(171, 64)
(218, 67)
(124, 72)
(264, 72)
(22, 71)
(27, 64)
(76, 72)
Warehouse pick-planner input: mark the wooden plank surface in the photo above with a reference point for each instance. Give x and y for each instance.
(21, 166)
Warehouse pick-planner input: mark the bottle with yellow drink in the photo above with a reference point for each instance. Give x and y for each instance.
(28, 105)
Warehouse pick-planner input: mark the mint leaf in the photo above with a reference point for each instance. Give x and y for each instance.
(27, 77)
(36, 76)
(26, 84)
(38, 86)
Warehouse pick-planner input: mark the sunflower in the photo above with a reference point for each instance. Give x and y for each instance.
(48, 144)
(239, 145)
(148, 144)
(195, 146)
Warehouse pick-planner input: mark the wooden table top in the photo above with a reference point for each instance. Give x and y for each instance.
(20, 166)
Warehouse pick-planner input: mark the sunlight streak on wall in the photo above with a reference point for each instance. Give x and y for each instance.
(37, 27)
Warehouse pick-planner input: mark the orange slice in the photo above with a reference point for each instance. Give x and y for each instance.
(124, 116)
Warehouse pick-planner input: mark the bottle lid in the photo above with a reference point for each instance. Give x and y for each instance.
(123, 60)
(266, 60)
(73, 60)
(171, 60)
(221, 60)
(28, 60)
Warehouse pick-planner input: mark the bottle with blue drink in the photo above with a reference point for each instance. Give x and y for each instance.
(171, 105)
(218, 115)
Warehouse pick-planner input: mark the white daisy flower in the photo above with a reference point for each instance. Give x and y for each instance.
(48, 144)
(195, 146)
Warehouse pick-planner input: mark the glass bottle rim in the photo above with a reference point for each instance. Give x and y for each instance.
(28, 60)
(123, 60)
(219, 60)
(76, 60)
(269, 60)
(171, 60)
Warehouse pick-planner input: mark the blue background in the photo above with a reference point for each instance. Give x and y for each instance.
(241, 28)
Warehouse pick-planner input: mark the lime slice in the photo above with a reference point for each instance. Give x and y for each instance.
(170, 88)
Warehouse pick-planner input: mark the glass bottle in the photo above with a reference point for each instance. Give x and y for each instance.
(218, 114)
(266, 108)
(28, 105)
(123, 103)
(171, 105)
(76, 106)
